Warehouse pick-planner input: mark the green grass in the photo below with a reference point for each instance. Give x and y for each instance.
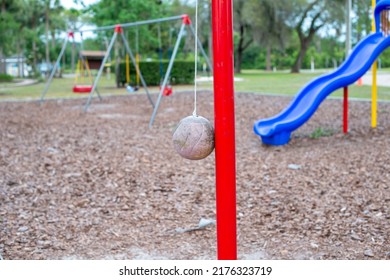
(285, 83)
(321, 132)
(59, 88)
(290, 84)
(256, 81)
(274, 83)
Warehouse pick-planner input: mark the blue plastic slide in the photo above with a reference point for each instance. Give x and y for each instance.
(277, 130)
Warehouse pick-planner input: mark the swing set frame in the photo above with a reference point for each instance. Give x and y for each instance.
(118, 31)
(224, 123)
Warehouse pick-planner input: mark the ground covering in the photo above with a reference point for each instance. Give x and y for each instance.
(102, 185)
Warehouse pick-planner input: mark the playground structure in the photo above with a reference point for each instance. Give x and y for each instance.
(224, 108)
(128, 79)
(307, 102)
(285, 213)
(83, 69)
(167, 90)
(277, 130)
(118, 31)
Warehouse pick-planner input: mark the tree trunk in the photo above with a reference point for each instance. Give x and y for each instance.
(305, 40)
(240, 50)
(18, 59)
(210, 39)
(210, 47)
(2, 57)
(34, 55)
(242, 46)
(237, 68)
(268, 59)
(53, 39)
(73, 56)
(62, 68)
(47, 41)
(2, 62)
(298, 61)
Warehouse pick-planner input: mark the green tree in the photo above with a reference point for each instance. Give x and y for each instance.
(361, 26)
(74, 19)
(34, 23)
(108, 12)
(268, 18)
(243, 31)
(8, 28)
(311, 16)
(22, 15)
(178, 7)
(52, 10)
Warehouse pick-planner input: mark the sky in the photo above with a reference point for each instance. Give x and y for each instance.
(70, 4)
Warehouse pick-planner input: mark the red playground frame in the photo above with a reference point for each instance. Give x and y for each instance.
(225, 151)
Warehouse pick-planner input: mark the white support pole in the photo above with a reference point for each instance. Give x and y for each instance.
(349, 28)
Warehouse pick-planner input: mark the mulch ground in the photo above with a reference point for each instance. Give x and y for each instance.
(102, 185)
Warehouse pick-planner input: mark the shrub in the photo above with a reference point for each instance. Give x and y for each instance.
(5, 78)
(182, 72)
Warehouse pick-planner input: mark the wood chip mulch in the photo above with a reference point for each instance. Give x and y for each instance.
(102, 185)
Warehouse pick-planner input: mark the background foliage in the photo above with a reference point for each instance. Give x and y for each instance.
(268, 34)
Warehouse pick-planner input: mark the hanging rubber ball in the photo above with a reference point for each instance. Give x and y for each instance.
(193, 138)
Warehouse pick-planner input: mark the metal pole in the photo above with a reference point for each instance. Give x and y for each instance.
(374, 89)
(170, 65)
(55, 67)
(100, 70)
(160, 54)
(347, 52)
(137, 40)
(225, 152)
(345, 110)
(137, 53)
(128, 49)
(124, 25)
(348, 23)
(201, 48)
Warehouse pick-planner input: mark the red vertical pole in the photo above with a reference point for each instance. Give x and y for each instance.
(345, 119)
(225, 157)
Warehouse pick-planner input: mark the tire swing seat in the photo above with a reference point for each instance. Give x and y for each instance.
(82, 88)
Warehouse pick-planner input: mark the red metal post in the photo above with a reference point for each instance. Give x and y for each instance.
(225, 157)
(345, 109)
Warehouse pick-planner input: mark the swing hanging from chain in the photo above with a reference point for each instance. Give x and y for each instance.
(81, 68)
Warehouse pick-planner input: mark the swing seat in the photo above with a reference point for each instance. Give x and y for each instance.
(167, 90)
(82, 89)
(132, 89)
